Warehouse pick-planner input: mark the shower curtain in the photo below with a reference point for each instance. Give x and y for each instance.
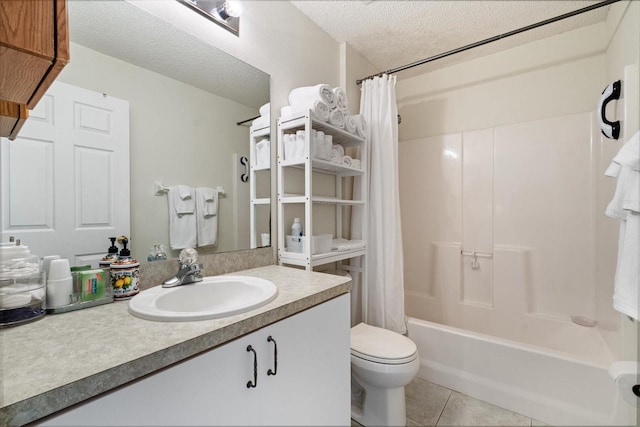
(383, 301)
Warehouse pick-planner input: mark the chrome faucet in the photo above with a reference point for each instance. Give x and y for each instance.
(189, 271)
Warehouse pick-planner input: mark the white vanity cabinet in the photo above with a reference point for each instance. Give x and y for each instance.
(311, 385)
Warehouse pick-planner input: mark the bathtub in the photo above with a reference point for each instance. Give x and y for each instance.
(544, 384)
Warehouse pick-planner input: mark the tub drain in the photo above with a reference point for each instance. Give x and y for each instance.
(584, 321)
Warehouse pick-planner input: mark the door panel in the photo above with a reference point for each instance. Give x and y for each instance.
(65, 179)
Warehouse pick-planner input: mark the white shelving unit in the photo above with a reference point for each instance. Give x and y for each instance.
(309, 165)
(257, 135)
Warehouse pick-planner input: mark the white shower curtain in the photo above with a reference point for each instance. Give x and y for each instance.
(383, 302)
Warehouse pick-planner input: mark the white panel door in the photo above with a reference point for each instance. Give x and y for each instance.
(65, 179)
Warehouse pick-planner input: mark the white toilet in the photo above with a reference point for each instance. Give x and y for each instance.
(382, 363)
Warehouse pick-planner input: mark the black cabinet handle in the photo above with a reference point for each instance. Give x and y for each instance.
(275, 357)
(255, 369)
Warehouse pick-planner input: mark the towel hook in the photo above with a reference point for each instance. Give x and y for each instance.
(245, 162)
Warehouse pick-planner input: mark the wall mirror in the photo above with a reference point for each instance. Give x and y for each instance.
(185, 99)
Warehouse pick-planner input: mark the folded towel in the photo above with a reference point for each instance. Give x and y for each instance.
(183, 200)
(261, 122)
(207, 216)
(265, 110)
(346, 245)
(182, 219)
(355, 163)
(304, 96)
(350, 124)
(319, 110)
(337, 153)
(361, 127)
(341, 99)
(625, 206)
(336, 118)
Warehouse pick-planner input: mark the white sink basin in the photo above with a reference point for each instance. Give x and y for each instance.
(214, 297)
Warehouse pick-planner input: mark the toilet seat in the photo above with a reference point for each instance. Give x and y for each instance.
(380, 345)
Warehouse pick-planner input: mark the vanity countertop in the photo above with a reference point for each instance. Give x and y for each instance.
(64, 359)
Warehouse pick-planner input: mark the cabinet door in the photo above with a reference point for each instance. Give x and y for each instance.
(208, 389)
(312, 385)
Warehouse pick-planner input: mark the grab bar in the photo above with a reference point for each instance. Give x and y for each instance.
(477, 254)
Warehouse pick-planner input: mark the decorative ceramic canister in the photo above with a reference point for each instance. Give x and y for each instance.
(125, 278)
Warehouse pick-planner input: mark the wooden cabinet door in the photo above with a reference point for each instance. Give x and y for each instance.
(26, 46)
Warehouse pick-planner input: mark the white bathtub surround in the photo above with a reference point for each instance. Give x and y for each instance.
(543, 384)
(383, 295)
(625, 207)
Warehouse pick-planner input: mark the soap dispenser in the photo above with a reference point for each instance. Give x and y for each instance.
(111, 256)
(125, 273)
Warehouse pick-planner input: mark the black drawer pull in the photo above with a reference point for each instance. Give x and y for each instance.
(255, 369)
(275, 357)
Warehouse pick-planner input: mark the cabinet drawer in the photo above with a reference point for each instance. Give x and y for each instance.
(21, 74)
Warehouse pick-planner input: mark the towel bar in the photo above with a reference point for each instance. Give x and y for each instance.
(161, 190)
(477, 254)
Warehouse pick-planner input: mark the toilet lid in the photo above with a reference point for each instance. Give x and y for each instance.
(381, 345)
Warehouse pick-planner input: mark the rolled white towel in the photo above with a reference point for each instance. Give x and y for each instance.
(341, 99)
(350, 124)
(361, 125)
(336, 118)
(261, 122)
(319, 109)
(347, 160)
(355, 163)
(304, 96)
(265, 110)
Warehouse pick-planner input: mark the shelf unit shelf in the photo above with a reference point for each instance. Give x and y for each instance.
(307, 122)
(255, 136)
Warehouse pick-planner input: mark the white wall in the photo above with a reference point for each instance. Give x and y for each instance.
(173, 139)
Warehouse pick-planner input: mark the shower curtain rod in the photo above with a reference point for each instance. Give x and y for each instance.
(491, 39)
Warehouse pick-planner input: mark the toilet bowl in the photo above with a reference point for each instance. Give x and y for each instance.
(382, 363)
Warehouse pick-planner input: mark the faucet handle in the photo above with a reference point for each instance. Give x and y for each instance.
(188, 256)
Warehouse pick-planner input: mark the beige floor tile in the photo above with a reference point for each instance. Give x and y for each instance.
(463, 410)
(425, 402)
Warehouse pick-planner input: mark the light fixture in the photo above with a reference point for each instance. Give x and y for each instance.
(224, 13)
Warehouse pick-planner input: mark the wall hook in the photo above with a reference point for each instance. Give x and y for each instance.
(245, 162)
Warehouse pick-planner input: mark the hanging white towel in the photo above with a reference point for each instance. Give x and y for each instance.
(207, 216)
(182, 218)
(625, 206)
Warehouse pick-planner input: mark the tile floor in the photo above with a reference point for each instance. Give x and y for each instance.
(429, 404)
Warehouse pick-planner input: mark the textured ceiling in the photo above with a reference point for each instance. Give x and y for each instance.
(393, 33)
(123, 31)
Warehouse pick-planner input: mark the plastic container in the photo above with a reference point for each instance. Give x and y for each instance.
(22, 299)
(295, 244)
(296, 228)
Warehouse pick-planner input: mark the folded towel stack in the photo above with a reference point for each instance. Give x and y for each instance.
(625, 206)
(265, 117)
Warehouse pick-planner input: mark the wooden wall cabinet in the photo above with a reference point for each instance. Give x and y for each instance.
(34, 47)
